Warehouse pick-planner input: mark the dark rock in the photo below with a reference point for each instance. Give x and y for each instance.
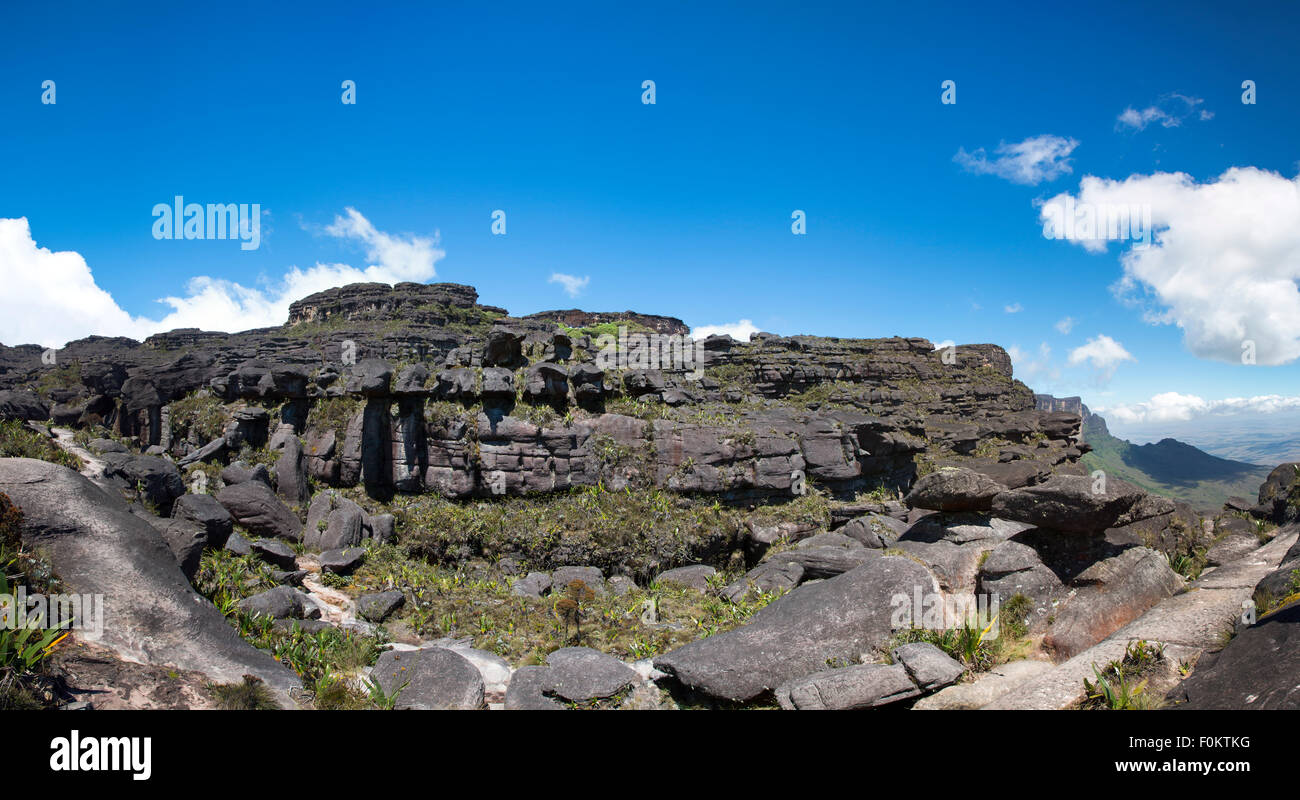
(929, 667)
(275, 552)
(207, 513)
(23, 405)
(282, 602)
(693, 577)
(377, 607)
(255, 506)
(1069, 503)
(433, 678)
(343, 561)
(830, 621)
(954, 489)
(1259, 669)
(92, 541)
(157, 479)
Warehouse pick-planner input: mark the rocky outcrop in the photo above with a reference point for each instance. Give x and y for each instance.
(150, 613)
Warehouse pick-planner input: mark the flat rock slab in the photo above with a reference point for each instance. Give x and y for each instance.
(433, 678)
(929, 667)
(862, 686)
(1259, 669)
(572, 675)
(987, 687)
(151, 614)
(831, 621)
(693, 577)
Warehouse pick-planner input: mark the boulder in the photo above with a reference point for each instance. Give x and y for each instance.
(1069, 503)
(255, 506)
(379, 606)
(282, 602)
(432, 678)
(275, 552)
(333, 522)
(862, 686)
(694, 577)
(534, 584)
(833, 620)
(92, 541)
(954, 489)
(343, 561)
(929, 667)
(291, 473)
(204, 510)
(23, 405)
(158, 480)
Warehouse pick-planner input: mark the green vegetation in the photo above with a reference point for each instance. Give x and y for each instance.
(334, 413)
(1171, 468)
(475, 603)
(250, 694)
(1121, 685)
(200, 413)
(23, 649)
(62, 378)
(19, 441)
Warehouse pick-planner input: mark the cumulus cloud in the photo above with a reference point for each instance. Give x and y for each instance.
(1176, 407)
(1168, 112)
(1223, 262)
(572, 284)
(1065, 325)
(1103, 354)
(52, 298)
(1013, 308)
(1036, 159)
(740, 331)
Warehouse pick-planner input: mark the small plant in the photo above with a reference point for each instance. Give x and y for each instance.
(381, 699)
(250, 694)
(1121, 685)
(571, 605)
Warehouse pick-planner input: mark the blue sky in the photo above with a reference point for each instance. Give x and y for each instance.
(682, 207)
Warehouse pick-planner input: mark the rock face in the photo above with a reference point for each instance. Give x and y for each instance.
(433, 678)
(92, 541)
(835, 620)
(1074, 503)
(1259, 669)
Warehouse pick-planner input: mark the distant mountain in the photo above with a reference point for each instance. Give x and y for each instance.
(1169, 467)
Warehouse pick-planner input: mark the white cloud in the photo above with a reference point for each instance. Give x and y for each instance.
(52, 298)
(573, 285)
(1065, 325)
(1014, 308)
(1036, 159)
(1169, 112)
(1175, 407)
(740, 331)
(1103, 353)
(1223, 263)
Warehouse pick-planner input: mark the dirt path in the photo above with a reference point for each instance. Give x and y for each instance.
(66, 439)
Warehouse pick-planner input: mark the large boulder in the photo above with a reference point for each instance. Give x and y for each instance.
(572, 676)
(24, 405)
(1079, 503)
(833, 620)
(158, 480)
(291, 473)
(954, 489)
(333, 522)
(257, 508)
(433, 678)
(204, 511)
(151, 615)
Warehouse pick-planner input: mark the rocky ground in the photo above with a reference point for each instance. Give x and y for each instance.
(476, 511)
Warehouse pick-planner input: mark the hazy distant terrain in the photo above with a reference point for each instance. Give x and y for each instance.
(1171, 467)
(1268, 439)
